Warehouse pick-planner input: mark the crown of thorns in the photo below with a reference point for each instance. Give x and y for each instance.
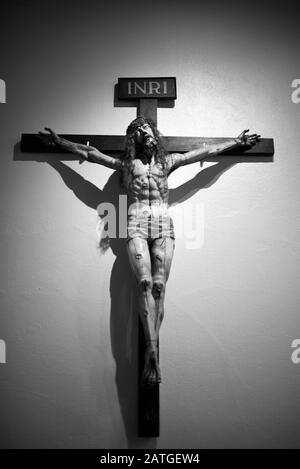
(138, 122)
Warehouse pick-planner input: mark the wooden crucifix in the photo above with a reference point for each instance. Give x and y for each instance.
(145, 167)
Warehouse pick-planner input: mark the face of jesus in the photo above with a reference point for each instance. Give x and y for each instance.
(144, 134)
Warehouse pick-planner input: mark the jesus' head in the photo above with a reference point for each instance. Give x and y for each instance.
(143, 139)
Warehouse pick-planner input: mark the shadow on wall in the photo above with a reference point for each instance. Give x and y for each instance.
(124, 304)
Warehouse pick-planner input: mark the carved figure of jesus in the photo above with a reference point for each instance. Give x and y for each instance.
(145, 167)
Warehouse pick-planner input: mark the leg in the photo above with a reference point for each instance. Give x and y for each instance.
(140, 262)
(162, 250)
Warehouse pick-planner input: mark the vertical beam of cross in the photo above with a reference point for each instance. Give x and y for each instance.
(148, 406)
(148, 108)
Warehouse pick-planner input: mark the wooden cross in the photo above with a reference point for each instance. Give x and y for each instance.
(148, 93)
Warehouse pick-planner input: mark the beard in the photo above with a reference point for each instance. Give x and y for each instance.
(147, 147)
(149, 143)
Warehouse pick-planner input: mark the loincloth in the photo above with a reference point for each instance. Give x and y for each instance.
(150, 227)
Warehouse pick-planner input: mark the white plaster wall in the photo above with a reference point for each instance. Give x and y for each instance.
(232, 303)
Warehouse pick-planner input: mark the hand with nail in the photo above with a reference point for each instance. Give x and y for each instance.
(244, 140)
(50, 139)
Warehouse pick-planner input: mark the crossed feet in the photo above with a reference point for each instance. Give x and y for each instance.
(151, 373)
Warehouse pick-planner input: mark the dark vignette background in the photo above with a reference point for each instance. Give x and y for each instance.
(47, 51)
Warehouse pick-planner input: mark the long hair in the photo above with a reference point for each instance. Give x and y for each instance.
(132, 149)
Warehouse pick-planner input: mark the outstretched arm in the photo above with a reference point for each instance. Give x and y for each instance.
(86, 152)
(242, 141)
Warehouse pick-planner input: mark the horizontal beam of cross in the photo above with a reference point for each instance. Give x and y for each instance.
(115, 144)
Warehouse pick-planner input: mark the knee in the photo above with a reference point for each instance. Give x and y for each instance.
(159, 286)
(145, 284)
